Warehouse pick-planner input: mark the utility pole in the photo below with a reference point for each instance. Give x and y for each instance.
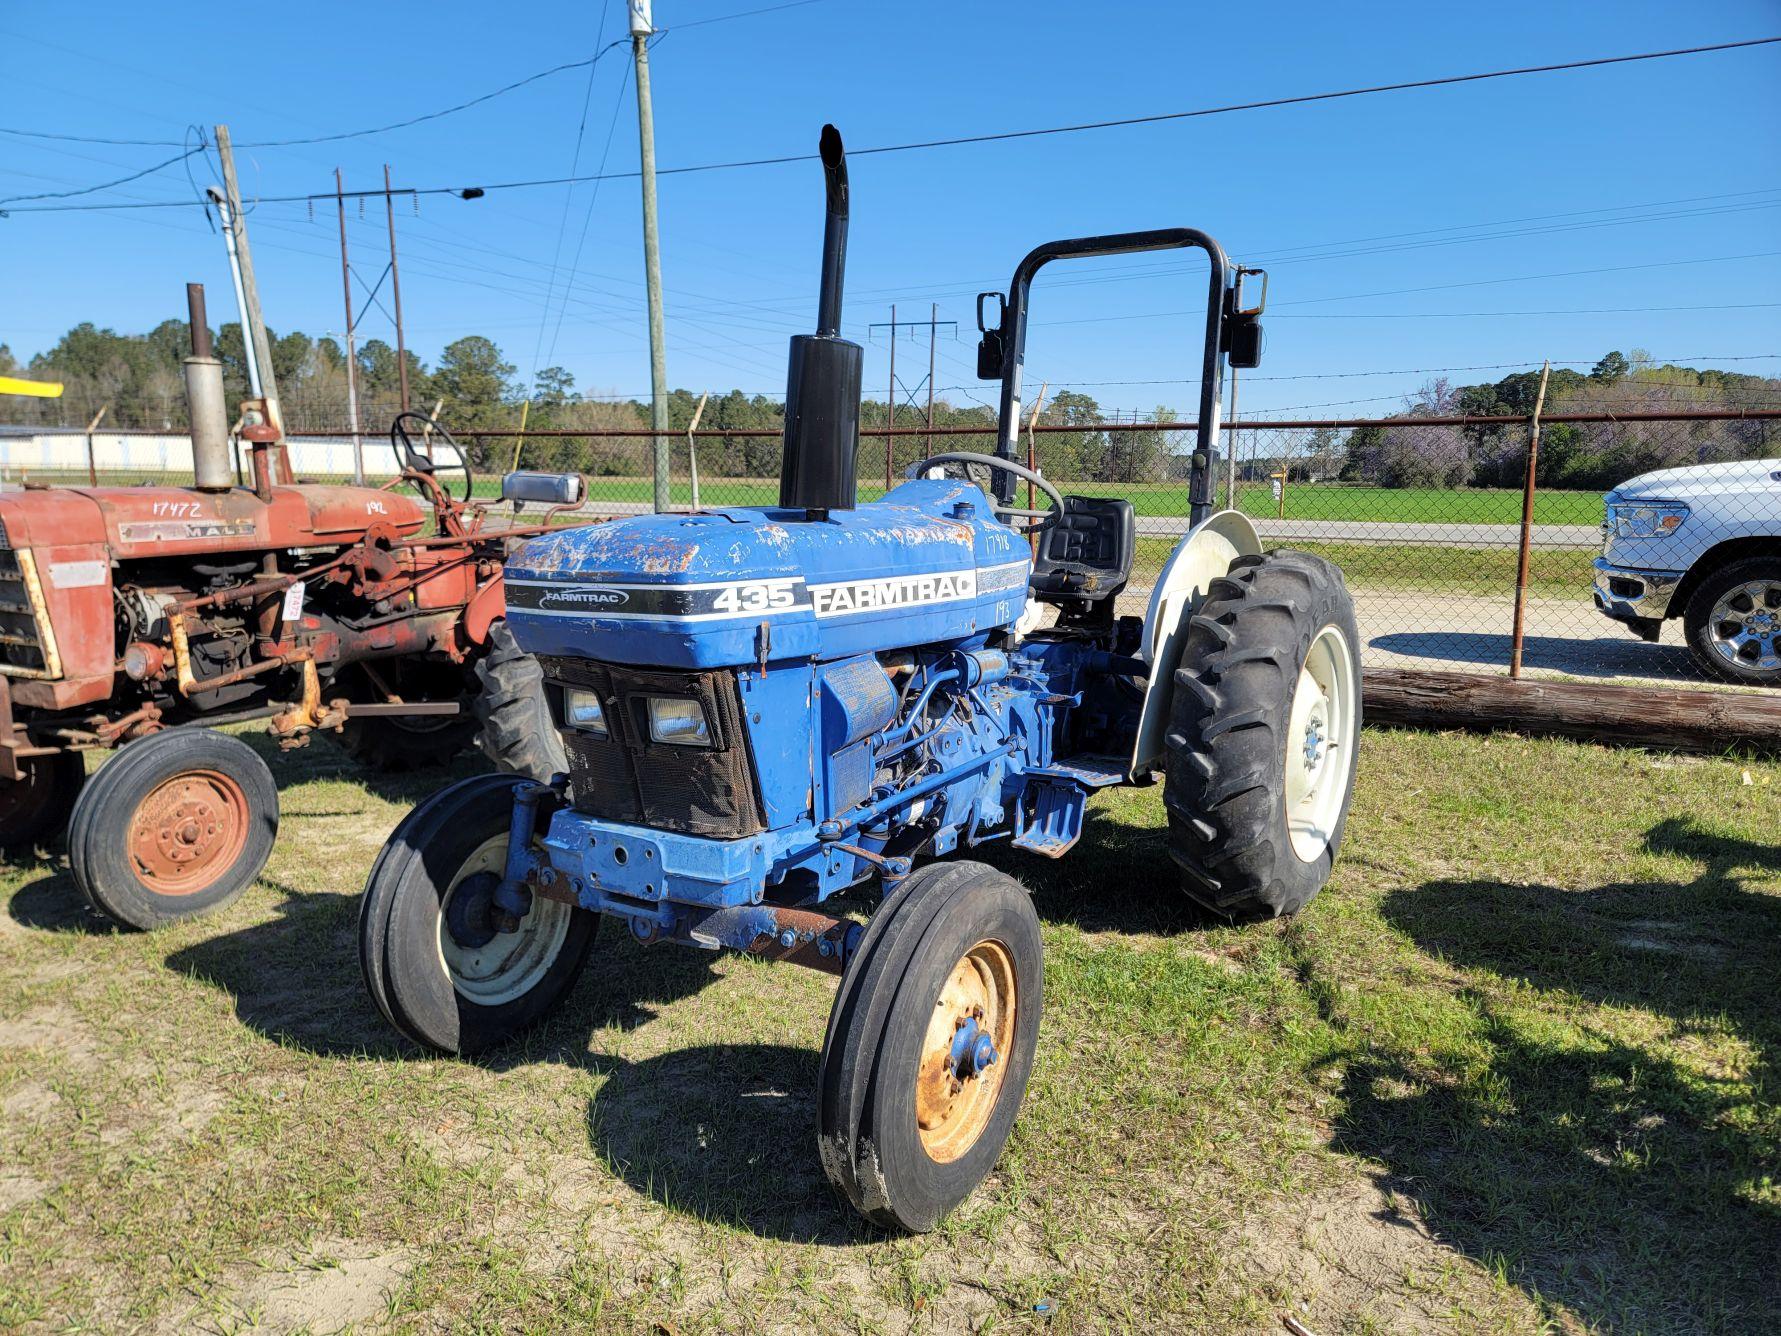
(352, 360)
(396, 290)
(890, 402)
(641, 28)
(254, 324)
(933, 324)
(248, 293)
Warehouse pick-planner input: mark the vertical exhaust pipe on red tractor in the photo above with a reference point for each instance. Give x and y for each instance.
(212, 468)
(822, 388)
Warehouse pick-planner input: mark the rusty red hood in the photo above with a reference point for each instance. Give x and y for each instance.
(136, 522)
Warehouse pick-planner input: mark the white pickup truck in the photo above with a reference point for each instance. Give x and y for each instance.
(1703, 544)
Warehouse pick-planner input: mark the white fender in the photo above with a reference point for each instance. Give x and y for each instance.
(1198, 559)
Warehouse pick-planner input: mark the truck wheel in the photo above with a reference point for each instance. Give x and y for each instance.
(433, 961)
(36, 806)
(517, 732)
(175, 826)
(1262, 742)
(930, 1044)
(1733, 622)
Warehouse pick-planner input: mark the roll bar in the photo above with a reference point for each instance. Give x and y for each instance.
(1002, 353)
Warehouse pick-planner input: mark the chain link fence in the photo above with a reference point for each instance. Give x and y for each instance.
(1440, 526)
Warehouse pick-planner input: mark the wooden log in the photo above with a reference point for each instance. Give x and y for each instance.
(1679, 720)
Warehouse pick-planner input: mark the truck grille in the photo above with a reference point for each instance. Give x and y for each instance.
(627, 776)
(22, 651)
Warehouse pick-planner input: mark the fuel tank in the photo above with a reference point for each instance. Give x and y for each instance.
(728, 588)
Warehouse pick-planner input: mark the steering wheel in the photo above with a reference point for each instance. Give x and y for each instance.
(413, 459)
(1042, 517)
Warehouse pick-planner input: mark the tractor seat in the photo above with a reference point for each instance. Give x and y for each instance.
(1085, 553)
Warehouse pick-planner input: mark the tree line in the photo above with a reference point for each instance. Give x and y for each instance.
(136, 378)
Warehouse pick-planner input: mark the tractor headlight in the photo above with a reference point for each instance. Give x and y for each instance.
(1645, 519)
(581, 709)
(678, 721)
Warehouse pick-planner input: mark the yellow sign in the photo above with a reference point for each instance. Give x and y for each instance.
(35, 389)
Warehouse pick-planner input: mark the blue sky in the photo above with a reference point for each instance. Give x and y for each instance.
(1658, 172)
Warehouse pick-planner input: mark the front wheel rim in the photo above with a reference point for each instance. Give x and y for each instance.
(188, 831)
(966, 1051)
(508, 965)
(1744, 628)
(1320, 744)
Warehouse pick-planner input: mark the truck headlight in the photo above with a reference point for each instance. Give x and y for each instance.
(678, 721)
(1645, 519)
(581, 709)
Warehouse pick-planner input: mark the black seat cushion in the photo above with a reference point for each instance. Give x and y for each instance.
(1085, 553)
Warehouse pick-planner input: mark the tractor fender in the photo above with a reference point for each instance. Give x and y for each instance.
(486, 607)
(1198, 559)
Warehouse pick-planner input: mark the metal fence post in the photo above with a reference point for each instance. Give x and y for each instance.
(92, 460)
(1517, 635)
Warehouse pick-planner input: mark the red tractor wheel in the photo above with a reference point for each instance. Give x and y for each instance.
(37, 806)
(176, 826)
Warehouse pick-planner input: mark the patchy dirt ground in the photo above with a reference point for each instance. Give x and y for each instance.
(1512, 1072)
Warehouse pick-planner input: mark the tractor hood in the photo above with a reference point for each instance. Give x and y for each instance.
(728, 588)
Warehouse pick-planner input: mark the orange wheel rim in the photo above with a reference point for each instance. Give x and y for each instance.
(955, 1098)
(188, 832)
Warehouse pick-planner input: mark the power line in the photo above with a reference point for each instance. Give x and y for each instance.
(994, 137)
(414, 120)
(107, 185)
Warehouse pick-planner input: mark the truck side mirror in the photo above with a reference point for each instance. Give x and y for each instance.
(991, 354)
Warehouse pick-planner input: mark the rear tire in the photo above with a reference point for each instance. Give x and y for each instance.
(36, 808)
(930, 1044)
(1262, 742)
(516, 730)
(432, 962)
(399, 744)
(173, 827)
(1733, 622)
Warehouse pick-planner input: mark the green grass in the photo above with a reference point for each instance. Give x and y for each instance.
(1514, 1070)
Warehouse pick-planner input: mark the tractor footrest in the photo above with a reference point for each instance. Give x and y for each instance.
(1055, 823)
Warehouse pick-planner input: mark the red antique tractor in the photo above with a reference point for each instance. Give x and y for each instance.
(371, 613)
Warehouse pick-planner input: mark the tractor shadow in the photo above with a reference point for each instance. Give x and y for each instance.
(323, 760)
(1118, 878)
(1624, 1185)
(724, 1133)
(296, 980)
(53, 903)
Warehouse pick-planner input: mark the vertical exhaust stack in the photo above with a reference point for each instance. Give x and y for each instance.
(822, 387)
(212, 469)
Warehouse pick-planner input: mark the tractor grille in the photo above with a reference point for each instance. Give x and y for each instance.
(21, 643)
(627, 776)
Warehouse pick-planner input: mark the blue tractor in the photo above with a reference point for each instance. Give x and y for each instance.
(763, 707)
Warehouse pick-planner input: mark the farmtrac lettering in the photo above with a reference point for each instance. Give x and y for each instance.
(892, 592)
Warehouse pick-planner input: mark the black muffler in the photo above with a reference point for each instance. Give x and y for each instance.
(822, 386)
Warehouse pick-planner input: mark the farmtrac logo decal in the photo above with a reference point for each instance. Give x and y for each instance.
(896, 591)
(582, 598)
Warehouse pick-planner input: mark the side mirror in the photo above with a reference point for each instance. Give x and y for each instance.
(550, 489)
(1243, 342)
(991, 356)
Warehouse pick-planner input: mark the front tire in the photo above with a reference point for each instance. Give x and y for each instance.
(37, 806)
(1733, 622)
(1262, 743)
(432, 960)
(173, 827)
(930, 1044)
